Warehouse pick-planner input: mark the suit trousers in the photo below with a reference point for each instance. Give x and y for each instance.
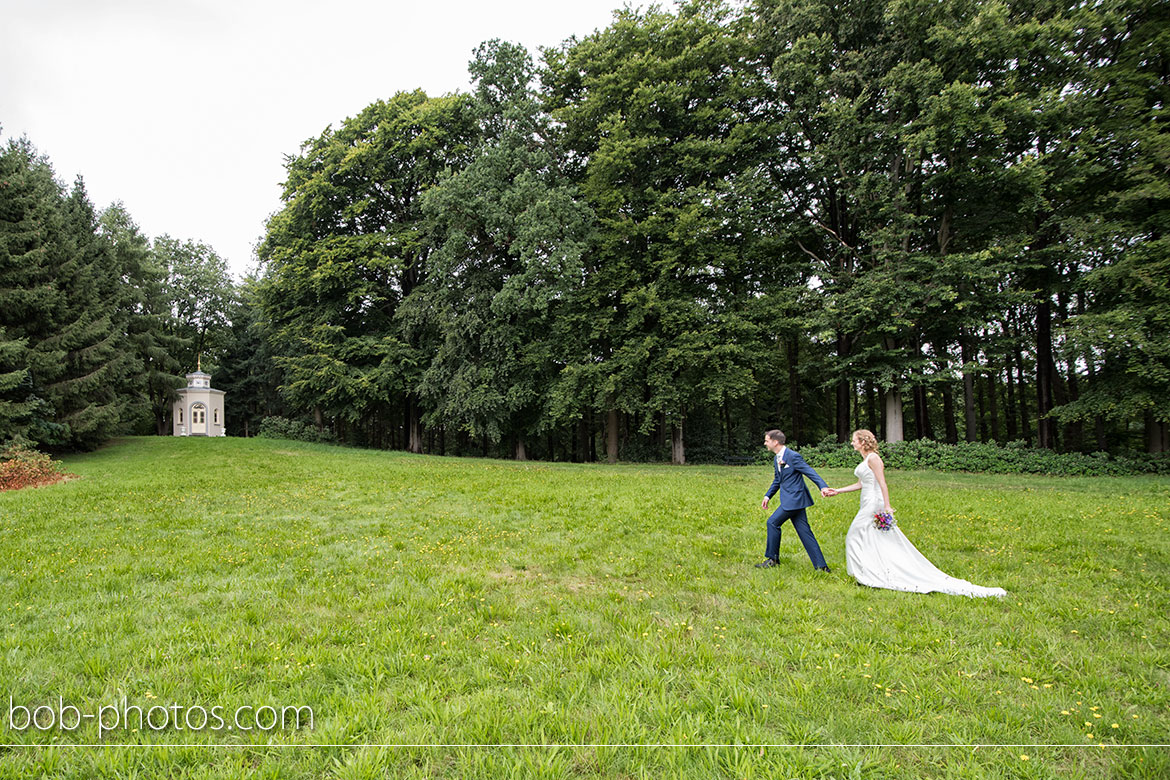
(799, 518)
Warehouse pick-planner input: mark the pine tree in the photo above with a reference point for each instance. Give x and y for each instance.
(30, 222)
(150, 329)
(89, 388)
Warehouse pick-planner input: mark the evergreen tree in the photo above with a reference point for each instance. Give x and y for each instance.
(151, 330)
(30, 218)
(88, 388)
(247, 370)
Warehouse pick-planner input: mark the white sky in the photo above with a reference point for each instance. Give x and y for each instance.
(184, 109)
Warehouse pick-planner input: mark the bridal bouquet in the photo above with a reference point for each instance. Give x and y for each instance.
(884, 521)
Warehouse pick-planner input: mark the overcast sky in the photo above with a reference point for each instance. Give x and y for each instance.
(184, 109)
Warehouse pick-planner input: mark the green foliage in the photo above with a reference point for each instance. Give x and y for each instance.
(510, 233)
(198, 290)
(66, 370)
(247, 369)
(297, 430)
(687, 226)
(1012, 458)
(698, 218)
(1126, 315)
(656, 116)
(349, 246)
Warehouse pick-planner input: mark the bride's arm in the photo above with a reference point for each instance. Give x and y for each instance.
(850, 489)
(879, 471)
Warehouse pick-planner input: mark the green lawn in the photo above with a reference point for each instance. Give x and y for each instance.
(414, 600)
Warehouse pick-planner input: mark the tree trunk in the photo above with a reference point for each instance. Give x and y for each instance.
(795, 405)
(729, 446)
(416, 438)
(858, 400)
(916, 397)
(895, 429)
(521, 454)
(843, 391)
(591, 451)
(1098, 421)
(968, 390)
(922, 413)
(624, 439)
(871, 404)
(993, 404)
(949, 413)
(1157, 434)
(1022, 397)
(318, 418)
(583, 440)
(1009, 404)
(1074, 432)
(982, 410)
(611, 436)
(1045, 373)
(678, 454)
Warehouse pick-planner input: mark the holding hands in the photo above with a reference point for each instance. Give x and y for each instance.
(828, 492)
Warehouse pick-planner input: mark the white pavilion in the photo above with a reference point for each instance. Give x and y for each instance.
(198, 409)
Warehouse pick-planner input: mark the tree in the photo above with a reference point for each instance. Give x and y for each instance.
(1120, 333)
(247, 370)
(650, 108)
(348, 247)
(509, 235)
(200, 291)
(90, 386)
(28, 198)
(151, 328)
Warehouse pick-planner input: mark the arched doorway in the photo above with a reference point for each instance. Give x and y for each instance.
(198, 420)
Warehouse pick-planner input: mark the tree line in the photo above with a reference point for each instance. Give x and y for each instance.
(97, 322)
(938, 220)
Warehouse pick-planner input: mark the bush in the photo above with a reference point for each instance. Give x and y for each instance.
(297, 430)
(22, 466)
(1013, 458)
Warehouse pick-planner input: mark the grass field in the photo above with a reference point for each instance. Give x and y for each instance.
(612, 611)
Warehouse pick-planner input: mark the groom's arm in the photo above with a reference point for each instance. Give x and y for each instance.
(798, 463)
(772, 490)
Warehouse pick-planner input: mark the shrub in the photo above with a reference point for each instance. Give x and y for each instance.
(1013, 458)
(297, 430)
(22, 466)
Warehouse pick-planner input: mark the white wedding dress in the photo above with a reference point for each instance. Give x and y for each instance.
(887, 559)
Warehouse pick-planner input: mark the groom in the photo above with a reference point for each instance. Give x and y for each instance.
(790, 471)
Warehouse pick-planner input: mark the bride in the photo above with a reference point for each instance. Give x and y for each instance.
(886, 558)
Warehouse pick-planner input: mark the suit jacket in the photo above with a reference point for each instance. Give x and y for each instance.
(790, 471)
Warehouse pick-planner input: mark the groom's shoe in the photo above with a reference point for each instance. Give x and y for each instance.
(825, 569)
(768, 563)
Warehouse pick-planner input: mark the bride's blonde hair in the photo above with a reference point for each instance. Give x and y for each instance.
(867, 439)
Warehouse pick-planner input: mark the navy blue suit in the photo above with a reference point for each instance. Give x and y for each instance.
(790, 470)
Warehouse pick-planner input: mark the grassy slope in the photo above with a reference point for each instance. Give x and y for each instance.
(411, 599)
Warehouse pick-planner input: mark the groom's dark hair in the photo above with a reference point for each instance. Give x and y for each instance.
(777, 436)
